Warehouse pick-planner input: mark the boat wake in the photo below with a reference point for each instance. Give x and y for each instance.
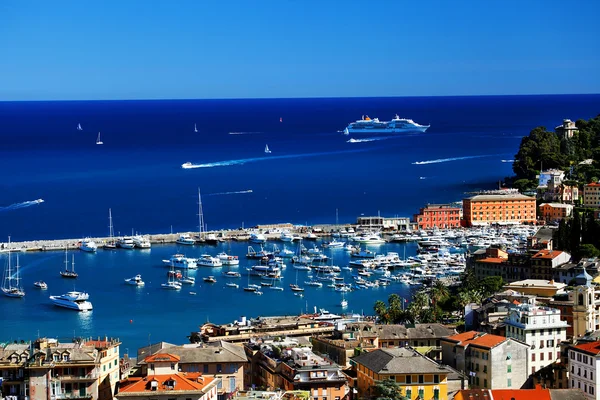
(24, 204)
(225, 193)
(243, 133)
(443, 160)
(368, 140)
(242, 161)
(508, 161)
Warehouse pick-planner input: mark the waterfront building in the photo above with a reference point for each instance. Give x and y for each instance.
(555, 211)
(537, 287)
(566, 130)
(286, 366)
(47, 368)
(584, 368)
(244, 329)
(440, 216)
(340, 345)
(416, 375)
(591, 195)
(397, 223)
(164, 380)
(499, 209)
(537, 393)
(490, 361)
(223, 361)
(541, 328)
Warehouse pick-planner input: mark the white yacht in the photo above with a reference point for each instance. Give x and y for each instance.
(334, 244)
(231, 274)
(186, 240)
(73, 300)
(257, 238)
(171, 284)
(371, 238)
(286, 236)
(126, 243)
(226, 259)
(180, 261)
(135, 281)
(40, 285)
(206, 260)
(141, 242)
(88, 245)
(11, 286)
(187, 165)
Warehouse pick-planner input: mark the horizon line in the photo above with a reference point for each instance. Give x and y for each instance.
(302, 98)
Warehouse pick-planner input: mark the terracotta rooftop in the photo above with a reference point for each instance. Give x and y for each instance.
(478, 339)
(593, 184)
(162, 357)
(547, 254)
(176, 382)
(592, 347)
(504, 394)
(492, 260)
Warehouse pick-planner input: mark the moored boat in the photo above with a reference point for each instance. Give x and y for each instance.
(73, 300)
(135, 281)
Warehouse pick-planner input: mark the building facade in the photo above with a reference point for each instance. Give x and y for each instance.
(555, 211)
(584, 368)
(416, 375)
(567, 129)
(441, 216)
(542, 329)
(591, 195)
(499, 208)
(490, 361)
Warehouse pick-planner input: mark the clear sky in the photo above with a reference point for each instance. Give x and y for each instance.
(150, 49)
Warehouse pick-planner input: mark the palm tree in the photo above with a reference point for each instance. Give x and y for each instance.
(382, 311)
(439, 291)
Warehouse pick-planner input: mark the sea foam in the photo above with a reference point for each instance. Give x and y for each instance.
(24, 204)
(443, 160)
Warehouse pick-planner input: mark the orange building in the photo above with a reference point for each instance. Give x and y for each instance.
(555, 211)
(438, 216)
(499, 208)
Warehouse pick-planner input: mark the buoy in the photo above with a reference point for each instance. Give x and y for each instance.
(131, 321)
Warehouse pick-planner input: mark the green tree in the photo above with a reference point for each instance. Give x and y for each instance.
(382, 311)
(388, 390)
(575, 234)
(588, 251)
(491, 285)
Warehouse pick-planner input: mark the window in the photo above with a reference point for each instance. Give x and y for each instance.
(436, 393)
(509, 382)
(408, 379)
(151, 367)
(477, 381)
(205, 368)
(591, 391)
(485, 383)
(408, 393)
(219, 368)
(509, 368)
(220, 384)
(541, 356)
(421, 379)
(172, 366)
(532, 356)
(421, 393)
(436, 379)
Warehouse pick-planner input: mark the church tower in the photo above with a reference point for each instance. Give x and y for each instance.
(583, 305)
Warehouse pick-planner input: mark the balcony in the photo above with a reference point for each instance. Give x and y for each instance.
(92, 376)
(72, 395)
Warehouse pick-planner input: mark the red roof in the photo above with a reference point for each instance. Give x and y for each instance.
(592, 347)
(494, 260)
(547, 254)
(182, 381)
(162, 357)
(593, 184)
(478, 339)
(504, 394)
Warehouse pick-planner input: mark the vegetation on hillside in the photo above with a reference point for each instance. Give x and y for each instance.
(579, 236)
(545, 149)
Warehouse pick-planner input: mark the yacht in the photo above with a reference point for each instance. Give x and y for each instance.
(286, 236)
(226, 259)
(311, 236)
(73, 300)
(69, 273)
(369, 239)
(211, 238)
(207, 260)
(233, 285)
(363, 253)
(396, 125)
(254, 255)
(98, 140)
(283, 253)
(141, 242)
(296, 288)
(187, 165)
(111, 242)
(126, 243)
(335, 244)
(209, 279)
(185, 240)
(40, 285)
(180, 261)
(231, 274)
(11, 286)
(189, 280)
(258, 238)
(88, 245)
(135, 281)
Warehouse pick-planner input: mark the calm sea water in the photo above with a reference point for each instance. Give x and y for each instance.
(311, 172)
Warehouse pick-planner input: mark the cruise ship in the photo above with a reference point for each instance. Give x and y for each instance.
(396, 125)
(73, 300)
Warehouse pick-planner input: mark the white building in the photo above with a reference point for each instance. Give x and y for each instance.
(542, 329)
(584, 368)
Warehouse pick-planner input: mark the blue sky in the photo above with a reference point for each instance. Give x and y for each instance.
(238, 49)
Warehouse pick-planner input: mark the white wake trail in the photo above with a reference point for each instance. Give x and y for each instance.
(225, 193)
(24, 204)
(443, 160)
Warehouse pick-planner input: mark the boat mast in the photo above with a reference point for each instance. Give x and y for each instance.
(7, 272)
(200, 217)
(110, 226)
(73, 263)
(66, 259)
(17, 276)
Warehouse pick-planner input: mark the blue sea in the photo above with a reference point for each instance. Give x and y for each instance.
(313, 171)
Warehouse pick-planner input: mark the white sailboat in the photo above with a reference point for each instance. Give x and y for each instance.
(79, 128)
(111, 241)
(98, 141)
(9, 288)
(195, 128)
(267, 151)
(200, 218)
(346, 131)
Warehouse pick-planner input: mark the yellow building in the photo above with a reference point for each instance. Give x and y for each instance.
(537, 287)
(419, 377)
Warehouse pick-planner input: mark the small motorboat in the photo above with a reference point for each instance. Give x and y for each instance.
(233, 285)
(40, 285)
(188, 280)
(209, 279)
(258, 292)
(135, 281)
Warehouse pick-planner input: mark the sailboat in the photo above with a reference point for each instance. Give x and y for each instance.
(66, 273)
(79, 128)
(295, 287)
(346, 131)
(8, 288)
(98, 141)
(195, 128)
(267, 151)
(171, 284)
(111, 242)
(200, 218)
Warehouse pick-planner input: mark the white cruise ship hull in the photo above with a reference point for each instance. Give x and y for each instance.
(387, 130)
(78, 306)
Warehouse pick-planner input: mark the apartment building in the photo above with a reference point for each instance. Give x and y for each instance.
(441, 216)
(499, 209)
(584, 368)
